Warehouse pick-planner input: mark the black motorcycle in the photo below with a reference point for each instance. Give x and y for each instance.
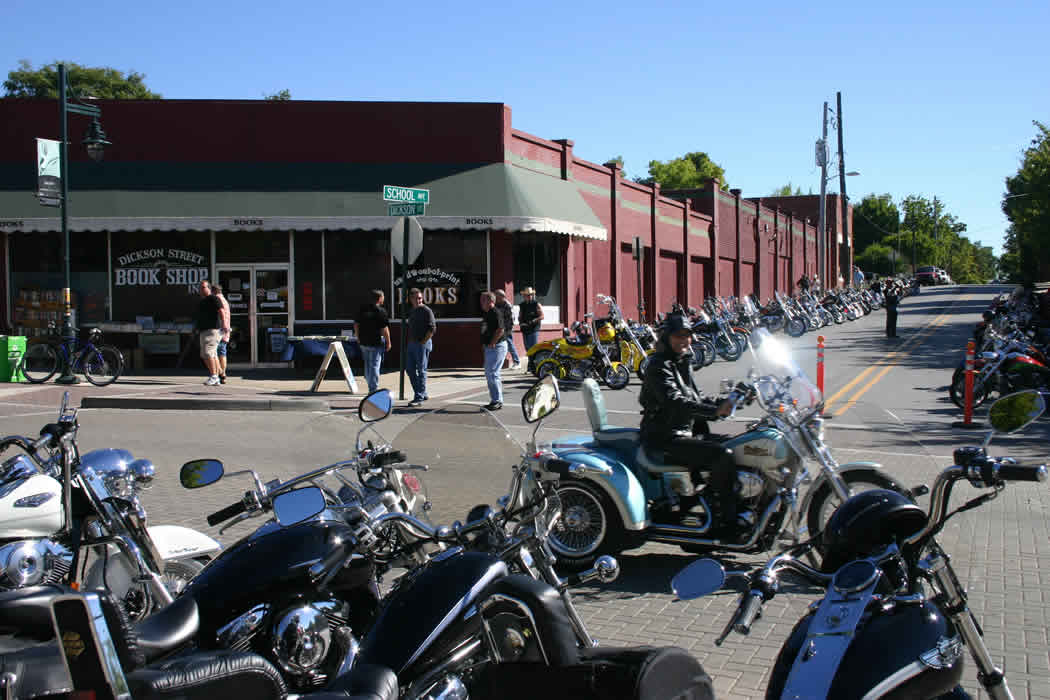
(894, 618)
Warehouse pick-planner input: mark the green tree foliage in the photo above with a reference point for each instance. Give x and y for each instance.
(878, 257)
(1027, 206)
(279, 96)
(785, 191)
(873, 219)
(83, 81)
(691, 171)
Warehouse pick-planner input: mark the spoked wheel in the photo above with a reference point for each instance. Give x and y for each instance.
(825, 500)
(957, 389)
(40, 362)
(104, 365)
(643, 366)
(550, 367)
(588, 526)
(795, 327)
(536, 360)
(616, 377)
(729, 349)
(178, 574)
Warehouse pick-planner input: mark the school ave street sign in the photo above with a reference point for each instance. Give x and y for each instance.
(406, 209)
(394, 193)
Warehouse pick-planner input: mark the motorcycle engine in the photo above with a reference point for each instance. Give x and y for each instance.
(32, 562)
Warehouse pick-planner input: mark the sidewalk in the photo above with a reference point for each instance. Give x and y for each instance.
(245, 390)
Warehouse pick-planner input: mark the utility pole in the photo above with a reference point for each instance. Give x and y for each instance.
(842, 196)
(822, 161)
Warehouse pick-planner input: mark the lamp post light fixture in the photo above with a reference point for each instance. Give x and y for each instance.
(95, 143)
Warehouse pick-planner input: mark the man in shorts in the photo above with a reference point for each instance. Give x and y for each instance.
(209, 323)
(224, 320)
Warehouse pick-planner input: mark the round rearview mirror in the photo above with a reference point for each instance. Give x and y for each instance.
(541, 400)
(1015, 411)
(297, 505)
(702, 577)
(376, 406)
(200, 472)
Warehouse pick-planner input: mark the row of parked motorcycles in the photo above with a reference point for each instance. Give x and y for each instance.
(610, 348)
(477, 609)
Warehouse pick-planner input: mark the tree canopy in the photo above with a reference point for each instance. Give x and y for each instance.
(785, 191)
(1027, 206)
(873, 219)
(691, 171)
(83, 81)
(279, 96)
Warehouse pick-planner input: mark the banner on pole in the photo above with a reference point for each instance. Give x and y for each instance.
(48, 172)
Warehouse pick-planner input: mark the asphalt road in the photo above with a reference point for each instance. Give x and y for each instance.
(889, 403)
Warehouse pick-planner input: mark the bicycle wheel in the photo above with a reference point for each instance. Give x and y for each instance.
(40, 362)
(103, 364)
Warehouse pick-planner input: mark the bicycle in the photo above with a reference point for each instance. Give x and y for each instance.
(100, 364)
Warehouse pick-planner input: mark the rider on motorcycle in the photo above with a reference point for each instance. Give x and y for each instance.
(674, 420)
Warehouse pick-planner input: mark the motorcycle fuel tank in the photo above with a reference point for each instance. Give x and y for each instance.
(271, 563)
(30, 506)
(910, 651)
(759, 449)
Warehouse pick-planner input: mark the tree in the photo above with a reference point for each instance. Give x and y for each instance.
(1027, 206)
(785, 191)
(691, 171)
(880, 258)
(873, 219)
(83, 81)
(279, 96)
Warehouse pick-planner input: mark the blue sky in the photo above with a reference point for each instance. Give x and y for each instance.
(938, 97)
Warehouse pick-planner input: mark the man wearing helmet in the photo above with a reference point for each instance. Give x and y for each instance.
(674, 421)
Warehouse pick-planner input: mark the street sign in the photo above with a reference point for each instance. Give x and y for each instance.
(406, 209)
(415, 239)
(394, 193)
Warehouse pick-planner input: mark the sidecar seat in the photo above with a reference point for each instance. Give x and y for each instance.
(623, 440)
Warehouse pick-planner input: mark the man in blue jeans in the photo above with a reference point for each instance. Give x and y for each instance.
(421, 327)
(372, 328)
(494, 348)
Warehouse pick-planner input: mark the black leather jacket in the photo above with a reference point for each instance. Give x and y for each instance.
(670, 399)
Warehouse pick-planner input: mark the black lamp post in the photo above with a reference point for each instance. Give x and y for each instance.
(95, 142)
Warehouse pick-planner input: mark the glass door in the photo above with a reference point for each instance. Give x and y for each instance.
(259, 312)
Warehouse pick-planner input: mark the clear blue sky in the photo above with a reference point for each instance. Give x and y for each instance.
(938, 97)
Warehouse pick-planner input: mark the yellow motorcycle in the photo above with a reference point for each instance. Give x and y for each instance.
(587, 357)
(627, 348)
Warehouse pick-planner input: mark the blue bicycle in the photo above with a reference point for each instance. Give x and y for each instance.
(100, 364)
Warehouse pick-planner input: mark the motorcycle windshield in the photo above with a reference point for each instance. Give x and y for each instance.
(467, 449)
(781, 384)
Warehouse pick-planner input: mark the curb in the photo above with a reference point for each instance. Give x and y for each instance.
(206, 404)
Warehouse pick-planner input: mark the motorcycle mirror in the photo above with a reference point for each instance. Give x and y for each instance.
(200, 472)
(541, 400)
(297, 505)
(1015, 411)
(375, 406)
(702, 577)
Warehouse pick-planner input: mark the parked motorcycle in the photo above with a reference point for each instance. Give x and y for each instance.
(77, 519)
(1005, 363)
(646, 498)
(894, 618)
(578, 362)
(628, 347)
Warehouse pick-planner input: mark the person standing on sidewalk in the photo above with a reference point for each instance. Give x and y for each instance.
(506, 313)
(373, 334)
(892, 298)
(224, 320)
(421, 327)
(208, 322)
(494, 348)
(530, 316)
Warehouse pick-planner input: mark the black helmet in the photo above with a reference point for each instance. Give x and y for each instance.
(867, 522)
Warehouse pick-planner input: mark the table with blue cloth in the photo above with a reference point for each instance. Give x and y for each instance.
(302, 346)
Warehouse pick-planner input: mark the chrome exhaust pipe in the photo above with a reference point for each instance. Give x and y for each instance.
(682, 534)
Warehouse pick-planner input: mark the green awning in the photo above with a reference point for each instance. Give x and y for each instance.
(498, 196)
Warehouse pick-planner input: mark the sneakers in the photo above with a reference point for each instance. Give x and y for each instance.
(415, 403)
(493, 406)
(222, 379)
(213, 380)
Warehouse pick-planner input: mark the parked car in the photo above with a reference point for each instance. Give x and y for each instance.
(942, 277)
(926, 275)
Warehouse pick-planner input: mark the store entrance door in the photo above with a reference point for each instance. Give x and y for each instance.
(260, 305)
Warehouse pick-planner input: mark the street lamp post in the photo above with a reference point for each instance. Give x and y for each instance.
(95, 142)
(822, 161)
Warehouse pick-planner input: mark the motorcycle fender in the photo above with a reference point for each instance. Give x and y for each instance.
(842, 469)
(176, 542)
(622, 487)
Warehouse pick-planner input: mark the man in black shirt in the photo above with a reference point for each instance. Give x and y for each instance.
(506, 313)
(891, 300)
(208, 324)
(494, 348)
(530, 315)
(373, 334)
(421, 327)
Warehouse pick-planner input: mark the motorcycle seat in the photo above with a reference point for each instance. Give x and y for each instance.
(654, 462)
(168, 629)
(206, 675)
(364, 682)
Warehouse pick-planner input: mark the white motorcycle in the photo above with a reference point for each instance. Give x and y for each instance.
(77, 520)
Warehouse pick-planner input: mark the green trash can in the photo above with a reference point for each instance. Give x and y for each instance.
(12, 347)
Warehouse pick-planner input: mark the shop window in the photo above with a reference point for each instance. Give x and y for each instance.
(158, 275)
(451, 272)
(355, 262)
(309, 289)
(537, 263)
(251, 246)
